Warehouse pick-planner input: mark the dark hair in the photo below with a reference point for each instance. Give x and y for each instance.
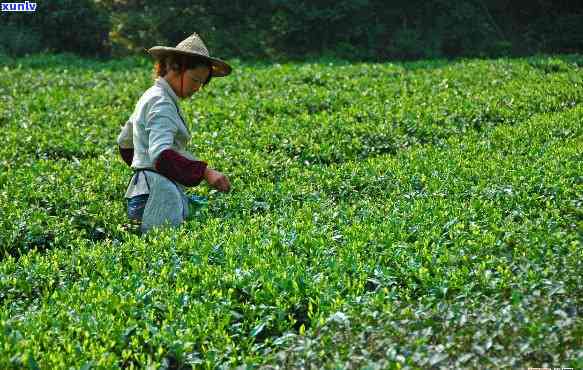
(179, 63)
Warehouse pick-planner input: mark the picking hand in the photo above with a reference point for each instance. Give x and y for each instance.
(217, 180)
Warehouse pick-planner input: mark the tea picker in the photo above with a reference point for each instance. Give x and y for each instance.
(154, 140)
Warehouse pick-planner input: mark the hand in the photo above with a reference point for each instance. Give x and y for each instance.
(217, 180)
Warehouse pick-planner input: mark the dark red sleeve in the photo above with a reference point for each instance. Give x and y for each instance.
(127, 155)
(179, 168)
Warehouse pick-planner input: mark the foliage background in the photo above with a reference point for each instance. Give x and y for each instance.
(282, 29)
(383, 216)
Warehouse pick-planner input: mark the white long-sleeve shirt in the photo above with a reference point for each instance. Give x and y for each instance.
(155, 125)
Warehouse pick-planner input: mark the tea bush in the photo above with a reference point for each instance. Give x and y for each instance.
(422, 214)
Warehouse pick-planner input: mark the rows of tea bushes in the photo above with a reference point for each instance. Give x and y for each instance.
(417, 215)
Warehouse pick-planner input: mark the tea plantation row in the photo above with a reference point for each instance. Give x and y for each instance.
(422, 214)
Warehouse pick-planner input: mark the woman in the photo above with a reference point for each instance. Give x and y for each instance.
(153, 141)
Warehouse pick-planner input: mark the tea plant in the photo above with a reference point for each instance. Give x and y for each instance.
(391, 215)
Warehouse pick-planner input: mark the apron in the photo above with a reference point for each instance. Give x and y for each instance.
(165, 203)
(168, 203)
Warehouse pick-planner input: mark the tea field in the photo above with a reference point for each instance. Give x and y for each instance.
(383, 216)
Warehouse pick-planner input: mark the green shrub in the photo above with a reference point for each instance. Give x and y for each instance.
(80, 27)
(383, 215)
(280, 29)
(407, 44)
(17, 42)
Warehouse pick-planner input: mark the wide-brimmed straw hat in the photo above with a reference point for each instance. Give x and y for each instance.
(195, 47)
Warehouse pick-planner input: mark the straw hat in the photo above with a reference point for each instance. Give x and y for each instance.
(193, 46)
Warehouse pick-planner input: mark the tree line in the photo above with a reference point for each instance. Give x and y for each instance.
(279, 29)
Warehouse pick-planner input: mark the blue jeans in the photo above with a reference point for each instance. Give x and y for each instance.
(136, 207)
(137, 204)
